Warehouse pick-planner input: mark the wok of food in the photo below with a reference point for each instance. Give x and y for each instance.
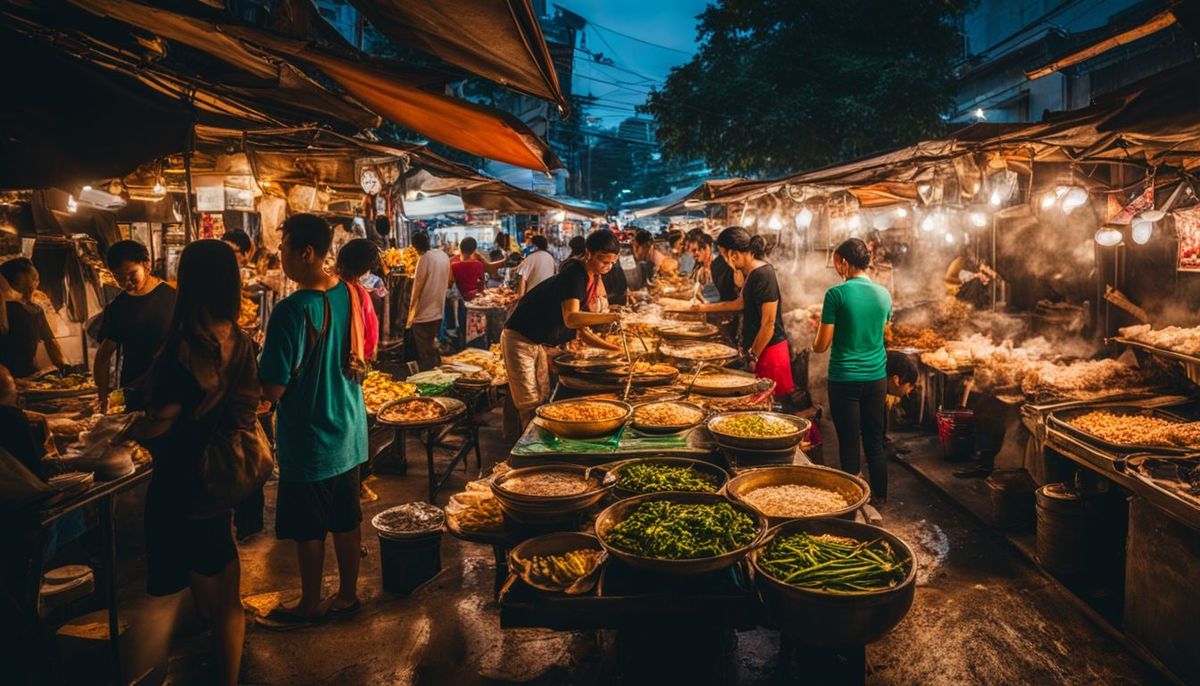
(651, 477)
(414, 410)
(1137, 429)
(755, 426)
(380, 388)
(548, 484)
(666, 414)
(835, 564)
(795, 500)
(682, 531)
(581, 411)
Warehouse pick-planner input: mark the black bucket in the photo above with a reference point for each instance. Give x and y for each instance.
(1063, 534)
(406, 563)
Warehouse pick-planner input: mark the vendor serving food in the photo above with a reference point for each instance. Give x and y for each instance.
(552, 314)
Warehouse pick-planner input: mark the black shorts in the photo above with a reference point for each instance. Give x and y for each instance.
(308, 510)
(177, 547)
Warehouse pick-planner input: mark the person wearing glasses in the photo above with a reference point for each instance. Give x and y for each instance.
(135, 323)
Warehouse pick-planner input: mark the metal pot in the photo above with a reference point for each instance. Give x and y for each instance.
(592, 428)
(728, 440)
(669, 428)
(720, 476)
(615, 513)
(537, 508)
(853, 489)
(822, 618)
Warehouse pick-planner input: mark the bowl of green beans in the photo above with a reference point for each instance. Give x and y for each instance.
(834, 582)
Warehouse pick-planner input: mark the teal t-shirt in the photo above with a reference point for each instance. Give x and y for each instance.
(321, 421)
(858, 310)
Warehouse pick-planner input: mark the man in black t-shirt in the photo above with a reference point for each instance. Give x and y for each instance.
(135, 322)
(27, 325)
(553, 313)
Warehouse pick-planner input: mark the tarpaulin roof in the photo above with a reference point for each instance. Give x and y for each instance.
(45, 142)
(498, 39)
(679, 200)
(470, 127)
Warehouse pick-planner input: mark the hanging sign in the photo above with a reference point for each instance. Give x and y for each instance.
(210, 198)
(1138, 205)
(1187, 228)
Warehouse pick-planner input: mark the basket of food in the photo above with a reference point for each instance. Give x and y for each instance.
(667, 417)
(833, 582)
(583, 417)
(758, 430)
(550, 492)
(790, 492)
(679, 533)
(644, 475)
(566, 562)
(418, 412)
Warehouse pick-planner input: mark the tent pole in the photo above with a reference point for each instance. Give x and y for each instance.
(189, 228)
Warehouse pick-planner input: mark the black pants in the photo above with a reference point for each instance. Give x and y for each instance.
(858, 412)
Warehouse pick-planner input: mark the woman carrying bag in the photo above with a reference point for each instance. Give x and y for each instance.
(209, 449)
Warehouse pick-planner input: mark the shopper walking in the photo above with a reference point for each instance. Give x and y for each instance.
(430, 283)
(538, 266)
(134, 324)
(852, 321)
(321, 427)
(203, 387)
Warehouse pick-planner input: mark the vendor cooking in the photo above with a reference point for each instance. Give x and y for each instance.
(27, 325)
(760, 304)
(553, 313)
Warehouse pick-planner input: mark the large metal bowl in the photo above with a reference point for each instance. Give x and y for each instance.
(615, 513)
(822, 618)
(668, 428)
(758, 443)
(584, 429)
(853, 489)
(719, 476)
(533, 508)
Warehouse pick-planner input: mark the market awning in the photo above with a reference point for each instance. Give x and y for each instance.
(497, 39)
(682, 200)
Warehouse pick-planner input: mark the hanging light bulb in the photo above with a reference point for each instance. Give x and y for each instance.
(978, 218)
(1152, 215)
(928, 222)
(1075, 197)
(159, 189)
(71, 204)
(1048, 200)
(86, 188)
(855, 222)
(803, 218)
(902, 212)
(1142, 231)
(996, 198)
(747, 221)
(774, 223)
(1108, 236)
(950, 238)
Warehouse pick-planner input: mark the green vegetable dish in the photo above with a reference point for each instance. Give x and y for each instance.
(649, 477)
(671, 531)
(833, 563)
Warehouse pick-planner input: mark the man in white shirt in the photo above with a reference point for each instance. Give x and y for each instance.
(537, 266)
(428, 299)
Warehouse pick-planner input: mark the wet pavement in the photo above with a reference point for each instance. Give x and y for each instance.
(982, 615)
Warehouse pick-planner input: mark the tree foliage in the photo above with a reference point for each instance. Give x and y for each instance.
(787, 85)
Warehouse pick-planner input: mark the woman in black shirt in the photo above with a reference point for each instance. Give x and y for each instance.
(766, 347)
(553, 313)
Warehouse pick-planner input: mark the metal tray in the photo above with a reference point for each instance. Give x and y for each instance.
(1133, 466)
(1060, 420)
(1190, 363)
(453, 406)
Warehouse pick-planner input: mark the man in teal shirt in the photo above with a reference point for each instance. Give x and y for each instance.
(321, 429)
(852, 322)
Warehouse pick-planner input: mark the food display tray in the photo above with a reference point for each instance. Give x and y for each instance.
(1190, 363)
(1060, 420)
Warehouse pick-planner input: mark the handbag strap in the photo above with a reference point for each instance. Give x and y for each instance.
(312, 338)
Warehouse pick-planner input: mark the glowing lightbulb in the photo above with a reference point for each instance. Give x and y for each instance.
(86, 188)
(747, 221)
(978, 219)
(1075, 197)
(949, 238)
(855, 222)
(1108, 236)
(71, 204)
(1048, 200)
(774, 223)
(996, 198)
(1152, 215)
(928, 223)
(902, 212)
(159, 189)
(1142, 231)
(803, 218)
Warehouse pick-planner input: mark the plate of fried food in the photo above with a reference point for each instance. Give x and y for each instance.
(381, 388)
(1127, 429)
(419, 412)
(667, 417)
(698, 352)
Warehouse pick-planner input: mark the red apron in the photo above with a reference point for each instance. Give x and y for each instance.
(775, 363)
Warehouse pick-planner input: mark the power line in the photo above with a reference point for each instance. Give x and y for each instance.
(639, 40)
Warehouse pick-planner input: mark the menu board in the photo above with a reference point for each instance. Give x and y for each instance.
(1187, 228)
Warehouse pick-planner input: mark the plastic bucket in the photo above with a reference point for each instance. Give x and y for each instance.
(406, 563)
(956, 431)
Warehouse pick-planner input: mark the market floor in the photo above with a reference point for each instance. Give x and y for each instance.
(982, 615)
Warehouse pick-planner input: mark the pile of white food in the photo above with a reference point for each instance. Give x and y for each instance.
(1178, 339)
(801, 325)
(795, 500)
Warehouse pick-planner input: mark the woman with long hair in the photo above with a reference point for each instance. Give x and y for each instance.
(760, 303)
(852, 321)
(203, 382)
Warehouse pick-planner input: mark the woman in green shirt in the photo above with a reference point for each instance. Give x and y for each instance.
(852, 322)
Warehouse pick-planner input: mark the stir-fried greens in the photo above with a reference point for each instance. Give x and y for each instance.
(651, 477)
(834, 563)
(679, 531)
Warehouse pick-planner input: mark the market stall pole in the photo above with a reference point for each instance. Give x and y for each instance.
(103, 495)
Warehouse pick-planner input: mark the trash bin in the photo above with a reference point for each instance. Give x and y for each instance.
(410, 545)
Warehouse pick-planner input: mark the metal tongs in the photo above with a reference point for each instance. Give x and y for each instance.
(687, 390)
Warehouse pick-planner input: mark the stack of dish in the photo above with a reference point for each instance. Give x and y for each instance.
(550, 492)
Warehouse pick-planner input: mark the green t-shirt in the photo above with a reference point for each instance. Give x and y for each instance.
(321, 425)
(858, 310)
